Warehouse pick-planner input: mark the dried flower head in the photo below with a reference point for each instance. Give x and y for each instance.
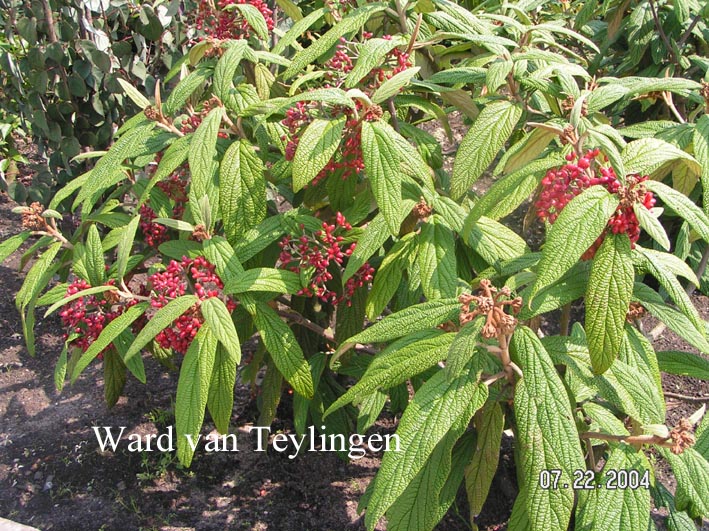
(682, 436)
(491, 302)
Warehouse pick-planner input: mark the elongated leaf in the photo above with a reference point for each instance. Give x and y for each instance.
(184, 89)
(700, 142)
(383, 169)
(437, 406)
(481, 144)
(107, 336)
(11, 245)
(242, 190)
(371, 54)
(317, 145)
(254, 18)
(133, 93)
(692, 473)
(83, 293)
(463, 347)
(607, 300)
(352, 22)
(370, 242)
(161, 320)
(493, 241)
(652, 226)
(683, 364)
(220, 401)
(226, 68)
(388, 277)
(575, 230)
(222, 255)
(203, 165)
(125, 244)
(616, 509)
(479, 472)
(546, 432)
(264, 279)
(93, 258)
(684, 207)
(217, 315)
(648, 156)
(193, 392)
(436, 258)
(297, 29)
(403, 359)
(36, 277)
(283, 347)
(412, 319)
(114, 377)
(393, 85)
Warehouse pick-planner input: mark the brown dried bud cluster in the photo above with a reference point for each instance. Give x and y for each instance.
(569, 135)
(214, 48)
(32, 217)
(200, 233)
(152, 113)
(421, 209)
(682, 437)
(491, 302)
(704, 91)
(636, 311)
(569, 103)
(374, 113)
(111, 297)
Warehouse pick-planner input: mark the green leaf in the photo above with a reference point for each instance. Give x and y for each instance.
(193, 392)
(649, 156)
(264, 279)
(692, 473)
(371, 54)
(222, 255)
(397, 363)
(616, 509)
(577, 227)
(203, 164)
(135, 365)
(412, 319)
(184, 89)
(493, 241)
(125, 244)
(546, 433)
(254, 18)
(102, 175)
(242, 190)
(480, 471)
(659, 269)
(436, 258)
(394, 84)
(107, 336)
(388, 277)
(676, 520)
(62, 362)
(283, 347)
(350, 23)
(161, 320)
(508, 193)
(114, 377)
(610, 287)
(700, 142)
(217, 315)
(317, 145)
(226, 68)
(297, 29)
(382, 165)
(133, 93)
(481, 144)
(11, 245)
(221, 388)
(374, 236)
(684, 207)
(463, 347)
(82, 293)
(652, 226)
(93, 259)
(683, 364)
(437, 406)
(36, 277)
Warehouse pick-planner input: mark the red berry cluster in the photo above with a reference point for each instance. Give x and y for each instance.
(189, 275)
(154, 233)
(561, 185)
(175, 188)
(89, 315)
(223, 25)
(317, 252)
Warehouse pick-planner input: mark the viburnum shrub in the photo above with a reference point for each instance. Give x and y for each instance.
(290, 188)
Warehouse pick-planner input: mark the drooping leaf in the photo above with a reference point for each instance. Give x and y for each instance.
(481, 144)
(610, 287)
(217, 315)
(316, 146)
(436, 258)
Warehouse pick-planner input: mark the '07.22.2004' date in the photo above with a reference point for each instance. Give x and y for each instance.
(586, 480)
